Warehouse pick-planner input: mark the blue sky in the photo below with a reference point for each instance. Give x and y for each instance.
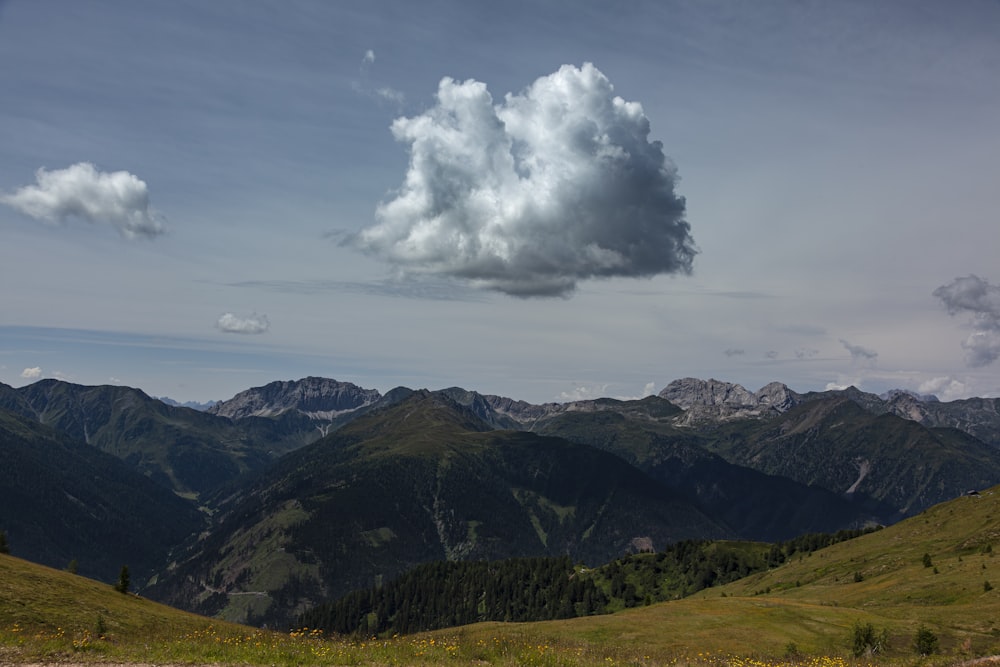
(196, 198)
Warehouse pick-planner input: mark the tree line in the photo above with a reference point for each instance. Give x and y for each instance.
(450, 593)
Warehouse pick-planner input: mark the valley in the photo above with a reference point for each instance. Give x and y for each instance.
(293, 495)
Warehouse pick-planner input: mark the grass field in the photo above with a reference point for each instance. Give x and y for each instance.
(937, 571)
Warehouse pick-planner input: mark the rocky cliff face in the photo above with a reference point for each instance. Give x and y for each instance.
(979, 417)
(318, 398)
(714, 400)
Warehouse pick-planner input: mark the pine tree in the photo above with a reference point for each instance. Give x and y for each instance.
(123, 580)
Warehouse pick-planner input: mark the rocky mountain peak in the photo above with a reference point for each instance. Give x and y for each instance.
(777, 396)
(713, 400)
(689, 392)
(320, 398)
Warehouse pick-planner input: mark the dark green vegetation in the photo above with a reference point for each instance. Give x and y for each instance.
(423, 480)
(753, 504)
(313, 488)
(808, 609)
(443, 594)
(834, 444)
(187, 451)
(63, 500)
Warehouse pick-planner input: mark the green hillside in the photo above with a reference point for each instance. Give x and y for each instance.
(834, 443)
(423, 480)
(757, 505)
(187, 451)
(62, 500)
(814, 602)
(803, 612)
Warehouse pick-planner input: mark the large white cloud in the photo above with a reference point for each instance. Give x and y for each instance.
(252, 324)
(551, 186)
(117, 198)
(977, 297)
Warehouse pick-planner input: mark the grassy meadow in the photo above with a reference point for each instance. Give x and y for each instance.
(935, 571)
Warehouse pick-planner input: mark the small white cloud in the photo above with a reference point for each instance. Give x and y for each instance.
(32, 373)
(114, 380)
(583, 393)
(252, 324)
(369, 57)
(528, 196)
(648, 390)
(843, 383)
(81, 191)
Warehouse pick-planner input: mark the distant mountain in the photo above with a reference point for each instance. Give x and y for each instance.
(834, 443)
(185, 450)
(728, 447)
(706, 401)
(425, 479)
(194, 405)
(979, 417)
(318, 398)
(650, 434)
(316, 487)
(713, 400)
(63, 500)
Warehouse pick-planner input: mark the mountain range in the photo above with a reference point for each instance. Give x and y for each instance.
(298, 491)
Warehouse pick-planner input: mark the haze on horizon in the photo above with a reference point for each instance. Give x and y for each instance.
(547, 202)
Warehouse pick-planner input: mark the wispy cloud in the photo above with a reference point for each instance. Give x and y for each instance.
(252, 324)
(118, 198)
(975, 296)
(859, 352)
(734, 352)
(434, 290)
(557, 184)
(369, 89)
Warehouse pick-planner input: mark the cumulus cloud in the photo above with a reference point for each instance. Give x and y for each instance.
(32, 373)
(118, 198)
(859, 352)
(975, 296)
(527, 196)
(945, 388)
(252, 324)
(369, 57)
(583, 392)
(648, 390)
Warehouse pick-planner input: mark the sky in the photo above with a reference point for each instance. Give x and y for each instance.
(544, 200)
